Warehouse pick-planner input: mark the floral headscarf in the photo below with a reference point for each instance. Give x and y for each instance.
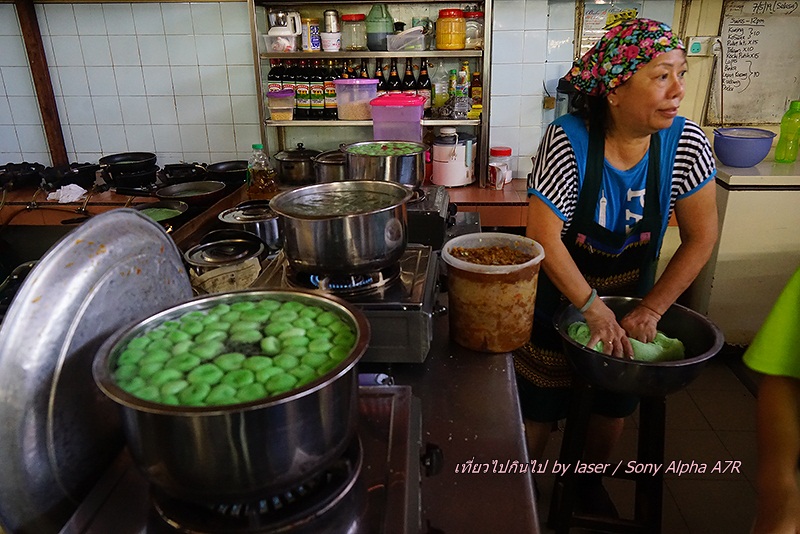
(622, 51)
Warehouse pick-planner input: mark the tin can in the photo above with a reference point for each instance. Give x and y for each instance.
(331, 21)
(310, 35)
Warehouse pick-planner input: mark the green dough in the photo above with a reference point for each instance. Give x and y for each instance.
(314, 359)
(221, 394)
(269, 305)
(252, 392)
(326, 318)
(257, 363)
(270, 345)
(281, 383)
(207, 373)
(184, 362)
(310, 311)
(160, 344)
(239, 378)
(171, 389)
(265, 374)
(274, 329)
(155, 356)
(182, 347)
(661, 349)
(209, 350)
(304, 322)
(165, 375)
(176, 336)
(192, 327)
(286, 361)
(243, 305)
(130, 356)
(126, 372)
(194, 394)
(338, 353)
(258, 315)
(211, 335)
(246, 336)
(230, 361)
(320, 345)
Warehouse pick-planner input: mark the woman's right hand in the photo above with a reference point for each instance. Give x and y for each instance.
(604, 327)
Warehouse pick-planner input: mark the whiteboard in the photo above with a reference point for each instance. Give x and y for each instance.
(757, 70)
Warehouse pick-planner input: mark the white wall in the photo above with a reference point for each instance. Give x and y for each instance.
(173, 78)
(178, 78)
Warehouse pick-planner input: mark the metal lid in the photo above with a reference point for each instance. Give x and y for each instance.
(246, 214)
(61, 432)
(296, 154)
(463, 138)
(222, 253)
(331, 157)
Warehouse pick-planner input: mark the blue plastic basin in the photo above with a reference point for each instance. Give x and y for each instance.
(742, 147)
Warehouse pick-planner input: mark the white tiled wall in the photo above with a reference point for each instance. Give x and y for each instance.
(177, 79)
(530, 53)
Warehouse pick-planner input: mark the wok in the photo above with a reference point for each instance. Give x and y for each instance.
(228, 171)
(203, 193)
(700, 336)
(177, 205)
(139, 178)
(128, 162)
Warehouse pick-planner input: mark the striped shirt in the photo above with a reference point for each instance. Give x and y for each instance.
(557, 174)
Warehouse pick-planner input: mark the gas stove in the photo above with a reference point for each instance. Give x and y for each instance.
(375, 487)
(399, 302)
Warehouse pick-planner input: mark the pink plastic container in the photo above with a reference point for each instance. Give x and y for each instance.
(397, 117)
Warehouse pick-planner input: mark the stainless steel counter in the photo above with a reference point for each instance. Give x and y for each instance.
(471, 411)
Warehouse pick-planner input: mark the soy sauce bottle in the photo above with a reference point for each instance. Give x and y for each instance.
(424, 86)
(394, 84)
(409, 83)
(331, 109)
(316, 90)
(382, 86)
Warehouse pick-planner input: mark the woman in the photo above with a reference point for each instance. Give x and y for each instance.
(603, 187)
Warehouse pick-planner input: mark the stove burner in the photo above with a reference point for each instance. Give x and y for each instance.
(350, 284)
(291, 510)
(418, 195)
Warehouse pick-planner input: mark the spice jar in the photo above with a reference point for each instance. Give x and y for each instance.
(354, 32)
(474, 30)
(451, 30)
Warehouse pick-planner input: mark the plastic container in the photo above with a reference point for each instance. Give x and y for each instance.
(503, 322)
(353, 96)
(281, 104)
(331, 42)
(474, 30)
(502, 155)
(451, 30)
(742, 147)
(786, 150)
(354, 32)
(397, 117)
(411, 39)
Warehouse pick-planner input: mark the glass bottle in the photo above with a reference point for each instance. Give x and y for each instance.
(288, 75)
(424, 86)
(786, 149)
(331, 109)
(476, 88)
(382, 86)
(394, 85)
(409, 83)
(364, 72)
(316, 90)
(301, 91)
(262, 181)
(275, 75)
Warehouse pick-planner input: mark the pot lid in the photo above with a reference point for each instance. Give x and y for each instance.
(331, 157)
(247, 214)
(223, 252)
(296, 154)
(463, 138)
(61, 431)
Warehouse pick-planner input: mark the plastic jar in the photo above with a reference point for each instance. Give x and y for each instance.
(354, 32)
(501, 155)
(474, 29)
(310, 35)
(451, 30)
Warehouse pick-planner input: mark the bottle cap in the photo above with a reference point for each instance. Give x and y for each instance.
(258, 146)
(795, 105)
(354, 16)
(451, 13)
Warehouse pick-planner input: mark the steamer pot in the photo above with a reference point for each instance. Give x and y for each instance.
(244, 451)
(347, 227)
(256, 217)
(406, 169)
(330, 166)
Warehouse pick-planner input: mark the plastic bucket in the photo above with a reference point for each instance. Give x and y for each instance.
(491, 306)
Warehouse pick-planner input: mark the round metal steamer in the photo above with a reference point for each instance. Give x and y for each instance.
(60, 432)
(350, 243)
(701, 338)
(240, 452)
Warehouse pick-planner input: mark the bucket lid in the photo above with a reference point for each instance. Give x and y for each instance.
(283, 93)
(400, 100)
(356, 81)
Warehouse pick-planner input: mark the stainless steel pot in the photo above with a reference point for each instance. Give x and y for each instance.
(343, 227)
(382, 160)
(295, 165)
(208, 256)
(330, 166)
(256, 217)
(239, 452)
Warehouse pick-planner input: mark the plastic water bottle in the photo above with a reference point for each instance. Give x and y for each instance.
(786, 149)
(261, 178)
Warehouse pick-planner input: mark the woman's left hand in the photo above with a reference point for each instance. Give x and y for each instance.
(640, 324)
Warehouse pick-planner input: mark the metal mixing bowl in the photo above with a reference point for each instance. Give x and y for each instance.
(699, 335)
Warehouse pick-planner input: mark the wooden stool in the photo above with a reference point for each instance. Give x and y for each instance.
(649, 488)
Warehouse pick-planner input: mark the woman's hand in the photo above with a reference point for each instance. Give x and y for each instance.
(640, 323)
(604, 327)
